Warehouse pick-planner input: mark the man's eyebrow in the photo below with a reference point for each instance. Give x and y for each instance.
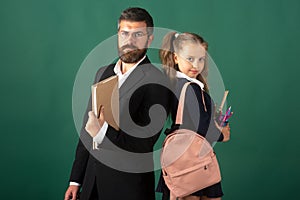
(132, 31)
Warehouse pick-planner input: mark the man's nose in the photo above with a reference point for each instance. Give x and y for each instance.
(130, 39)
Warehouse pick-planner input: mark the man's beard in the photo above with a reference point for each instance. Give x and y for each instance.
(132, 56)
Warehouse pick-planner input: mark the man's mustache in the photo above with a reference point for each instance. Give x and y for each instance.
(129, 47)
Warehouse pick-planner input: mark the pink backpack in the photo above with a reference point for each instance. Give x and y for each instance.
(188, 161)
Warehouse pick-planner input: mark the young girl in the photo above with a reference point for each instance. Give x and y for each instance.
(184, 59)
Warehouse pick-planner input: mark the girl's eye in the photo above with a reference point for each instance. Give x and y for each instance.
(202, 59)
(190, 59)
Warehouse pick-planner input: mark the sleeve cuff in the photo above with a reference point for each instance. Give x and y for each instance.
(101, 134)
(74, 183)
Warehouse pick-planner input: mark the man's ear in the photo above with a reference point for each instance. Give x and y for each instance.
(150, 39)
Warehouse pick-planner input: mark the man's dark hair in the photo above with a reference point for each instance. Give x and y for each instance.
(138, 15)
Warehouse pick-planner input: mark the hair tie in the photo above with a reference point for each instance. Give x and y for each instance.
(176, 35)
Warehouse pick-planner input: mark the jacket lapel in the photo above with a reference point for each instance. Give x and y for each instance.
(108, 72)
(134, 78)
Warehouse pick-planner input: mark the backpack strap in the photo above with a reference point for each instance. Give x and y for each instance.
(180, 107)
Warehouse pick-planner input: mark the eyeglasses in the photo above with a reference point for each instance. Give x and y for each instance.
(135, 35)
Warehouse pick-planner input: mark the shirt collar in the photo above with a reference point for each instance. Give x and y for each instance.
(117, 68)
(182, 75)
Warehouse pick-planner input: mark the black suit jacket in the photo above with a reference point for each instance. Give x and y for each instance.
(122, 168)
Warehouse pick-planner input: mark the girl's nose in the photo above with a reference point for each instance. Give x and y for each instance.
(197, 65)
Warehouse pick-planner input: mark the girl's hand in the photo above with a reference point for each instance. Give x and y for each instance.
(225, 131)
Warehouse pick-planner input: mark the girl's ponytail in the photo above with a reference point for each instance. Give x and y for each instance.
(166, 55)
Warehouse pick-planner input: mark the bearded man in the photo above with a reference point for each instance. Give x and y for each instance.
(121, 165)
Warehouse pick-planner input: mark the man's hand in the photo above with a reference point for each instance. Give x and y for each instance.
(93, 125)
(72, 192)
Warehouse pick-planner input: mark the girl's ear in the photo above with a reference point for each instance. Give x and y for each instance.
(175, 56)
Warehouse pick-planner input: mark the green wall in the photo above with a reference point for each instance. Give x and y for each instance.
(254, 43)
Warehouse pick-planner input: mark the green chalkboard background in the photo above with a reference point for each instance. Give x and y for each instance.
(255, 44)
